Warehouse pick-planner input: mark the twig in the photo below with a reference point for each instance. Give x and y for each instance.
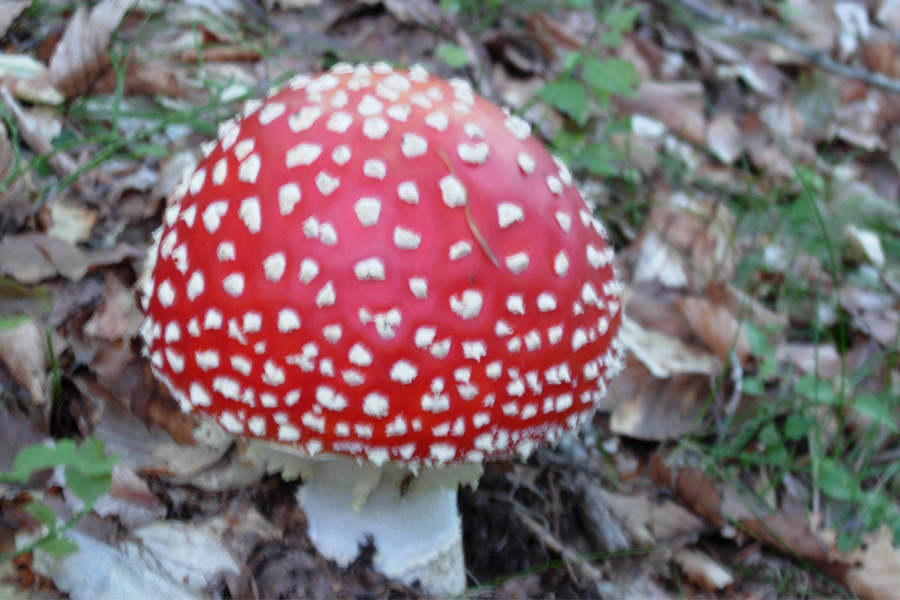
(585, 569)
(817, 57)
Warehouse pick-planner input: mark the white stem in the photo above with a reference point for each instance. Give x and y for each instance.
(413, 522)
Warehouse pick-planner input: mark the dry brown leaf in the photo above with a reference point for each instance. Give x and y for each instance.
(9, 12)
(822, 359)
(14, 192)
(662, 354)
(118, 316)
(645, 407)
(69, 221)
(82, 54)
(678, 105)
(23, 351)
(723, 138)
(702, 569)
(34, 257)
(716, 327)
(875, 572)
(874, 313)
(685, 242)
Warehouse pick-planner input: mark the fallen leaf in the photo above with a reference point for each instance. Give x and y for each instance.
(34, 257)
(118, 316)
(716, 327)
(82, 54)
(23, 351)
(876, 566)
(678, 105)
(69, 221)
(9, 12)
(664, 355)
(700, 568)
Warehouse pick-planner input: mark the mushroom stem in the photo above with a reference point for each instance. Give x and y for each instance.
(410, 517)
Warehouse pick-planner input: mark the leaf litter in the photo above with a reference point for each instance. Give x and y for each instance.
(730, 113)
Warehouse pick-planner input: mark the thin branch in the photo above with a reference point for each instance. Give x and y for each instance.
(585, 569)
(817, 57)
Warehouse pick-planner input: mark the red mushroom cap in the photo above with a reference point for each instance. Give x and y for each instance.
(381, 264)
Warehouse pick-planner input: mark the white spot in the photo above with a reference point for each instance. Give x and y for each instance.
(589, 294)
(532, 340)
(172, 334)
(332, 333)
(440, 349)
(360, 356)
(340, 99)
(341, 155)
(304, 118)
(517, 262)
(408, 192)
(554, 184)
(564, 220)
(249, 169)
(375, 128)
(199, 395)
(176, 361)
(270, 112)
(326, 183)
(212, 215)
(375, 405)
(327, 234)
(212, 319)
(364, 431)
(494, 370)
(234, 284)
(460, 250)
(473, 131)
(515, 304)
(196, 285)
(272, 374)
(326, 295)
(369, 269)
(288, 320)
(468, 304)
(374, 168)
(399, 112)
(308, 270)
(397, 81)
(220, 171)
(330, 399)
(546, 302)
(442, 453)
(403, 372)
(166, 293)
(207, 359)
(396, 427)
(230, 423)
(225, 252)
(526, 163)
(502, 328)
(274, 266)
(197, 181)
(418, 73)
(413, 145)
(436, 120)
(189, 214)
(475, 350)
(311, 421)
(339, 122)
(288, 197)
(579, 339)
(406, 239)
(453, 192)
(228, 387)
(249, 213)
(228, 133)
(419, 287)
(473, 154)
(561, 263)
(244, 148)
(424, 336)
(515, 388)
(596, 258)
(508, 213)
(268, 400)
(252, 322)
(288, 433)
(369, 106)
(367, 211)
(302, 155)
(518, 127)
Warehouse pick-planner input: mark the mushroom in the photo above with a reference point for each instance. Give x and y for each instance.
(384, 280)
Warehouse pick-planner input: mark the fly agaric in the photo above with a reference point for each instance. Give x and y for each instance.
(383, 273)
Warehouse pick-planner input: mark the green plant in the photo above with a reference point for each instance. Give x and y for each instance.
(88, 473)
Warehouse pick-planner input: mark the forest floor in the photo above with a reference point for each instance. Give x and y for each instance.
(745, 156)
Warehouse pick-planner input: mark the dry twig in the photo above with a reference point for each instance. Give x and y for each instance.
(584, 568)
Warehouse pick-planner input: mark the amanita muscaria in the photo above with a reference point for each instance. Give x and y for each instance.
(379, 265)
